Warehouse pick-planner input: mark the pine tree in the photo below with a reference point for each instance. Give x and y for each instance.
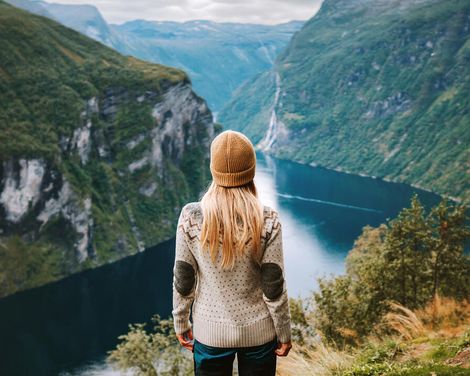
(450, 267)
(407, 249)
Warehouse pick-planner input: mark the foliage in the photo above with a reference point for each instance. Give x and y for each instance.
(409, 260)
(382, 369)
(151, 353)
(432, 350)
(314, 360)
(301, 330)
(25, 266)
(42, 101)
(372, 88)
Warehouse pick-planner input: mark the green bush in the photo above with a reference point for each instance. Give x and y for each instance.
(152, 353)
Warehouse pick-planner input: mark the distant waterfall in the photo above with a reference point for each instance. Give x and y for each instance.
(271, 135)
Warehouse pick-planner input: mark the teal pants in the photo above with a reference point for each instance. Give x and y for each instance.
(218, 361)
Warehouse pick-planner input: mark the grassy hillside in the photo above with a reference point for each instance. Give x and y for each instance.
(434, 340)
(373, 87)
(98, 151)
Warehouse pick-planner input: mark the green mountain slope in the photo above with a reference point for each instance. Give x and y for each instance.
(98, 152)
(218, 56)
(371, 87)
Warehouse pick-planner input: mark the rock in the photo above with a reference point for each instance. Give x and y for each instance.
(33, 193)
(55, 205)
(82, 142)
(137, 165)
(147, 190)
(92, 106)
(21, 190)
(462, 359)
(179, 108)
(76, 212)
(136, 141)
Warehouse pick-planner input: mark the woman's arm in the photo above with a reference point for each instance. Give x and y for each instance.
(184, 278)
(273, 281)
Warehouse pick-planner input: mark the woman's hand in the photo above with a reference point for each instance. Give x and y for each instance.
(185, 339)
(283, 348)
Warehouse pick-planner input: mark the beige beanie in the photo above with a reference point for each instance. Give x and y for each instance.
(233, 159)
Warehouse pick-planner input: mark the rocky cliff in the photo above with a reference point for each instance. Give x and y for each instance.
(98, 152)
(371, 87)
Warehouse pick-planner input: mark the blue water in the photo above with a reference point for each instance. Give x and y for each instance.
(68, 326)
(323, 212)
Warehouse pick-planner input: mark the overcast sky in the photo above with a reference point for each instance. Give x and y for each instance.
(248, 11)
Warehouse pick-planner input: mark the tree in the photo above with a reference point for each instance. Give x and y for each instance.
(450, 266)
(406, 252)
(408, 260)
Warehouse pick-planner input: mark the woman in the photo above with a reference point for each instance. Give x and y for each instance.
(229, 267)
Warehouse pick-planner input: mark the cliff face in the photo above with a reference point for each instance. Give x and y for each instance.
(370, 87)
(97, 166)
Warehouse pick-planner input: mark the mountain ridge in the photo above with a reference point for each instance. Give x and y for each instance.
(218, 56)
(98, 152)
(381, 95)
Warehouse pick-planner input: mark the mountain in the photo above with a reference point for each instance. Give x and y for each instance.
(83, 18)
(218, 57)
(98, 152)
(372, 87)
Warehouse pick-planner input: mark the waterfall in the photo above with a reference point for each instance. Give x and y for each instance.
(270, 137)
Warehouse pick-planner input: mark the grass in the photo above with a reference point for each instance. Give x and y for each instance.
(315, 361)
(423, 342)
(404, 321)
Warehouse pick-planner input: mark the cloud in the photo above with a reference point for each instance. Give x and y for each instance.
(246, 11)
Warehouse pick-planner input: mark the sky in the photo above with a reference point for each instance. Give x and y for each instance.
(246, 11)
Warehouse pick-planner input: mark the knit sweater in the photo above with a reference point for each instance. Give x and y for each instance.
(245, 306)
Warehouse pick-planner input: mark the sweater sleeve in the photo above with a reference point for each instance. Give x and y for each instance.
(184, 278)
(273, 282)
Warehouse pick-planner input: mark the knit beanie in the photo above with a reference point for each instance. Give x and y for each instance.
(233, 159)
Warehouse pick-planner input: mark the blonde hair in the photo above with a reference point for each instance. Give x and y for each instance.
(231, 217)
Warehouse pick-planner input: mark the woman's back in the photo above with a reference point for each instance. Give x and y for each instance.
(229, 268)
(233, 307)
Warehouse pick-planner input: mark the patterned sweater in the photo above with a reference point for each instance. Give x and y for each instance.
(246, 306)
